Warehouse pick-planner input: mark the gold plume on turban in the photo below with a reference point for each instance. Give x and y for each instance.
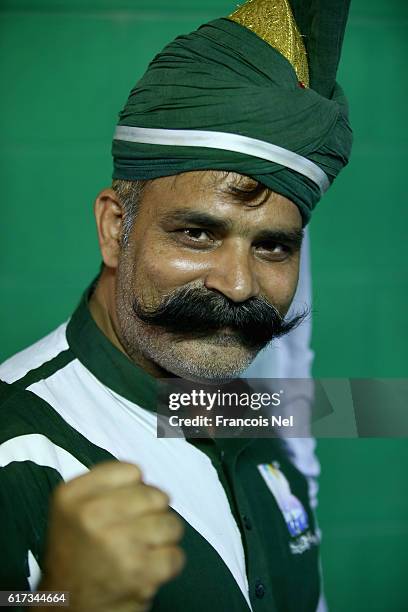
(273, 21)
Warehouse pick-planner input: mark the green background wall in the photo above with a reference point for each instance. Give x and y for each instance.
(66, 69)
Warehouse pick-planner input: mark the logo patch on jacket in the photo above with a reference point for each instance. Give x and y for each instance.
(295, 515)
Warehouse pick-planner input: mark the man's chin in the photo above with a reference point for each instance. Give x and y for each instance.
(225, 337)
(212, 340)
(217, 357)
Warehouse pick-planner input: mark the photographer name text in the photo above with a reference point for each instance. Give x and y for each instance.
(222, 421)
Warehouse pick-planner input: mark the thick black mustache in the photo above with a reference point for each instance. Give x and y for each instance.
(197, 311)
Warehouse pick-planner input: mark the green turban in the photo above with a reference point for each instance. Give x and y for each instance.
(222, 98)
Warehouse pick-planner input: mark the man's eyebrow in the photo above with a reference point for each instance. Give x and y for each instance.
(293, 237)
(197, 218)
(246, 194)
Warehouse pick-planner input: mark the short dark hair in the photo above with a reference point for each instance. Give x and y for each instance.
(129, 194)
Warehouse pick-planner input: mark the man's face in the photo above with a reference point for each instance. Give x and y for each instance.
(201, 271)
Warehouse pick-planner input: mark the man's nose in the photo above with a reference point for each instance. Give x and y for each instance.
(232, 273)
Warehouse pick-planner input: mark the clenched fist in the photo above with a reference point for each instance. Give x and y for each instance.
(112, 541)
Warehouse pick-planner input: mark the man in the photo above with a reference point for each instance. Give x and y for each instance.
(200, 237)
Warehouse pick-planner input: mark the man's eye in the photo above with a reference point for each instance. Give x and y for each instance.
(196, 234)
(274, 248)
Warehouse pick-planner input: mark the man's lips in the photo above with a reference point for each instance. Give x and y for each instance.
(227, 331)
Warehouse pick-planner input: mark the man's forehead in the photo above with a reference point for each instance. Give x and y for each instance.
(205, 185)
(223, 194)
(217, 180)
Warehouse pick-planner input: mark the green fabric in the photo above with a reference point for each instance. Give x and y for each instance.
(25, 490)
(322, 24)
(224, 78)
(24, 413)
(214, 450)
(45, 369)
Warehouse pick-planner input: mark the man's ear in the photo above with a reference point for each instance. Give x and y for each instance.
(109, 216)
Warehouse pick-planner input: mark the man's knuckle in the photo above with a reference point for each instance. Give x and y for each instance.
(173, 560)
(176, 526)
(133, 569)
(149, 589)
(177, 559)
(158, 498)
(169, 526)
(144, 589)
(132, 469)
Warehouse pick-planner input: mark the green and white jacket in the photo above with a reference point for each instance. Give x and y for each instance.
(72, 400)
